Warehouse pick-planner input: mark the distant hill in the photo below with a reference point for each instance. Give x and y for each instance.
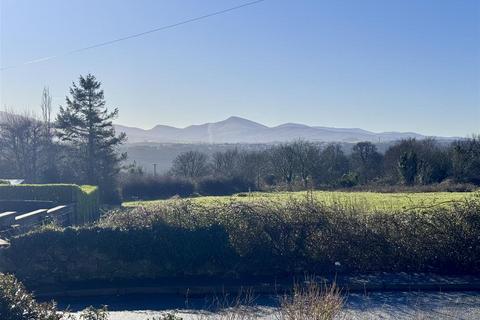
(239, 130)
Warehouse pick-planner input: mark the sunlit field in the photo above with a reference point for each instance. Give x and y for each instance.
(367, 201)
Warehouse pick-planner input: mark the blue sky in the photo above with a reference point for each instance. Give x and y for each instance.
(378, 65)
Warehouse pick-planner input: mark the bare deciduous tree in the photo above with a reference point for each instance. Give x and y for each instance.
(307, 155)
(333, 164)
(226, 163)
(366, 161)
(190, 165)
(46, 106)
(49, 152)
(284, 163)
(253, 166)
(21, 141)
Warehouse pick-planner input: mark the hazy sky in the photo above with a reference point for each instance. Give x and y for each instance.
(378, 65)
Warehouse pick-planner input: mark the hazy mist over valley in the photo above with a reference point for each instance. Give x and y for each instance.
(162, 144)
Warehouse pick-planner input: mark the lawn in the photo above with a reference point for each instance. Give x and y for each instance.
(367, 201)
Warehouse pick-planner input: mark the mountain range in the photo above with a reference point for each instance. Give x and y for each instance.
(240, 130)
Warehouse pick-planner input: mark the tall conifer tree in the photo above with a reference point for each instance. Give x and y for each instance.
(86, 124)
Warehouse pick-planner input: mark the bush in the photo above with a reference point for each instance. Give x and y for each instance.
(183, 239)
(86, 198)
(311, 301)
(165, 187)
(150, 187)
(349, 180)
(111, 194)
(213, 186)
(16, 303)
(447, 185)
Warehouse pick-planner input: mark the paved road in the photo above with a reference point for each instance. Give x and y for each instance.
(411, 305)
(379, 305)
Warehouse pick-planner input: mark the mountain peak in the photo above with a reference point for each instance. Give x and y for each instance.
(235, 118)
(242, 121)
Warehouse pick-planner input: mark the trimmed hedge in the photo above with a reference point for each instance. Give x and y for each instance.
(214, 186)
(86, 198)
(164, 187)
(151, 187)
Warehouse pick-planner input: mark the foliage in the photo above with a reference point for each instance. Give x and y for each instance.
(447, 185)
(421, 161)
(363, 201)
(300, 165)
(21, 145)
(86, 198)
(311, 301)
(435, 164)
(408, 167)
(366, 161)
(167, 316)
(164, 187)
(223, 186)
(307, 156)
(86, 124)
(226, 164)
(16, 303)
(92, 313)
(151, 187)
(284, 163)
(349, 180)
(128, 250)
(180, 238)
(466, 160)
(332, 168)
(190, 165)
(86, 150)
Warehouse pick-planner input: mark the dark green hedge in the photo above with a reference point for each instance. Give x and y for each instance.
(86, 198)
(78, 254)
(153, 187)
(164, 187)
(213, 186)
(242, 239)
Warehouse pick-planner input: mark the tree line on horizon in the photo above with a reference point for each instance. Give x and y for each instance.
(80, 145)
(306, 164)
(302, 165)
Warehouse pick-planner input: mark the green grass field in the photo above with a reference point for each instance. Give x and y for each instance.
(368, 201)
